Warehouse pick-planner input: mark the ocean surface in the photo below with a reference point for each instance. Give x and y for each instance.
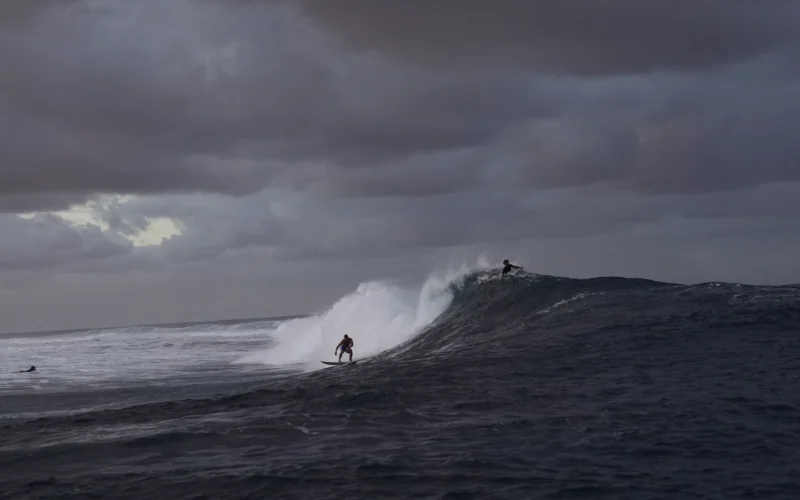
(471, 386)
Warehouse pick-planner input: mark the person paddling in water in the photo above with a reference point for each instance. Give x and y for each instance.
(507, 266)
(346, 347)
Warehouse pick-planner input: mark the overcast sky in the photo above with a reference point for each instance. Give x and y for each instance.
(171, 160)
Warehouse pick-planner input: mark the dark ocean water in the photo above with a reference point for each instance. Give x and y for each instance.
(531, 387)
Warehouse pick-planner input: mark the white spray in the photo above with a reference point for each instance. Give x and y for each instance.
(378, 316)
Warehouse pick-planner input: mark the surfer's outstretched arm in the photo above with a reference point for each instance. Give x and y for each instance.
(508, 266)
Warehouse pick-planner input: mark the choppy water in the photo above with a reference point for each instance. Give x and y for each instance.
(529, 387)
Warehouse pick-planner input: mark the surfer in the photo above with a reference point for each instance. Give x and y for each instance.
(346, 344)
(507, 266)
(31, 369)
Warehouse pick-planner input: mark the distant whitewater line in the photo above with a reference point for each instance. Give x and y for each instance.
(134, 328)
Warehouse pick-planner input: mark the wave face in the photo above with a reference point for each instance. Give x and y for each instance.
(478, 387)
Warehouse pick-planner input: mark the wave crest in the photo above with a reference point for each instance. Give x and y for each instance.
(377, 315)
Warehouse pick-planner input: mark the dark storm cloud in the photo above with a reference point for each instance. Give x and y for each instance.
(14, 13)
(690, 134)
(210, 102)
(586, 37)
(86, 112)
(21, 203)
(187, 96)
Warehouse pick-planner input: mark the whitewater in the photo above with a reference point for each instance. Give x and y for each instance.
(378, 315)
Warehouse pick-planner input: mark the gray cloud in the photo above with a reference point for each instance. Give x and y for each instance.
(16, 13)
(694, 134)
(47, 241)
(618, 36)
(286, 226)
(214, 102)
(216, 105)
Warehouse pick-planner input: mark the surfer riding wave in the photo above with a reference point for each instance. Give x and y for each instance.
(507, 267)
(345, 345)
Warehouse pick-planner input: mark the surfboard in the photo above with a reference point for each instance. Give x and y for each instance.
(339, 362)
